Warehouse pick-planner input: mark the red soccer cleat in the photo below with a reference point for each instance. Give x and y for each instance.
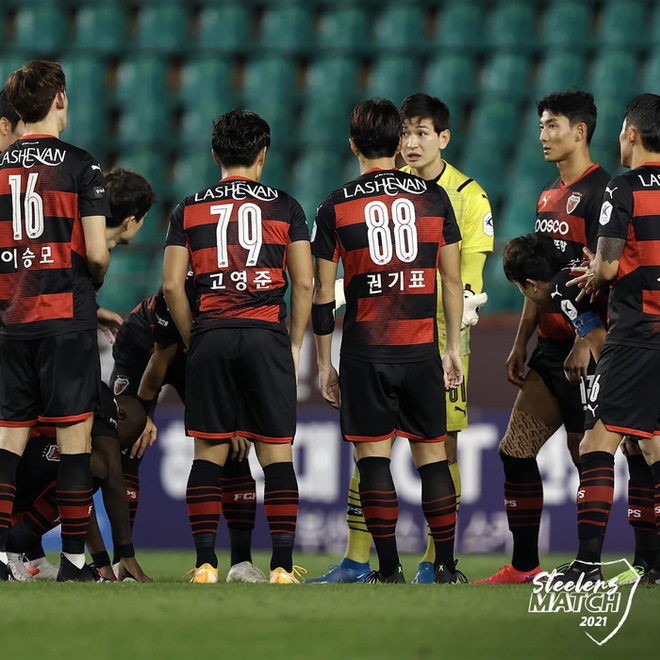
(509, 575)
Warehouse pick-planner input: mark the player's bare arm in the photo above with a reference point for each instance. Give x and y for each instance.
(325, 274)
(98, 256)
(108, 323)
(175, 268)
(452, 301)
(299, 265)
(515, 363)
(576, 364)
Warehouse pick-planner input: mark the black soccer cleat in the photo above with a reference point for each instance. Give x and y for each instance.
(449, 574)
(575, 571)
(5, 573)
(651, 578)
(69, 572)
(396, 577)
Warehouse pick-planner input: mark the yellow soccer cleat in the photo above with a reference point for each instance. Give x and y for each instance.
(205, 574)
(280, 576)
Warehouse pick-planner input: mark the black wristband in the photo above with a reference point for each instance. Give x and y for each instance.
(125, 551)
(323, 318)
(148, 404)
(100, 559)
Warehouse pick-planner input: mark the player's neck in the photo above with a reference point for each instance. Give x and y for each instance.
(47, 126)
(367, 164)
(641, 156)
(252, 172)
(431, 171)
(574, 167)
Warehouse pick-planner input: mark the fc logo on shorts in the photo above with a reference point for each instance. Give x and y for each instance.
(121, 383)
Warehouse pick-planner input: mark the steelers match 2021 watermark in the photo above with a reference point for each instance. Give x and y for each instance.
(601, 607)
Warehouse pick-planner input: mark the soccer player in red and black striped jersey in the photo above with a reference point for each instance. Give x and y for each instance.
(53, 255)
(551, 391)
(393, 231)
(149, 353)
(625, 396)
(240, 238)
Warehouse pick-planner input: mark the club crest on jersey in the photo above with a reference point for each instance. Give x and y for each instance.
(52, 453)
(121, 383)
(572, 202)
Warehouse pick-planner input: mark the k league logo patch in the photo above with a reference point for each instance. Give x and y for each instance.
(601, 607)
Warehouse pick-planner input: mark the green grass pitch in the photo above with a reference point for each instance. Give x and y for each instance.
(173, 619)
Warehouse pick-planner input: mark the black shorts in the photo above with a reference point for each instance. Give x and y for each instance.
(571, 397)
(380, 399)
(127, 374)
(54, 379)
(625, 394)
(241, 381)
(106, 414)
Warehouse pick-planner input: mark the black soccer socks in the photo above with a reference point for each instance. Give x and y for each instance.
(281, 505)
(8, 464)
(239, 505)
(74, 500)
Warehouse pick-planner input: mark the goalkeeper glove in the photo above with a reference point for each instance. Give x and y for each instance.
(471, 303)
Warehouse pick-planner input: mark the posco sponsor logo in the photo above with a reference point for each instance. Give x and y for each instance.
(550, 226)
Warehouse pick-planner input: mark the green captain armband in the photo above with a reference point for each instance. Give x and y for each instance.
(323, 318)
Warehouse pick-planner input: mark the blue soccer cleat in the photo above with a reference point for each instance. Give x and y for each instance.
(346, 572)
(425, 573)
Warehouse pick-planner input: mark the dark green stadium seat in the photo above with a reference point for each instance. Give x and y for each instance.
(332, 78)
(451, 77)
(280, 117)
(9, 62)
(286, 29)
(269, 78)
(197, 124)
(226, 28)
(460, 28)
(400, 28)
(88, 111)
(495, 122)
(344, 30)
(605, 142)
(614, 76)
(506, 75)
(512, 25)
(325, 123)
(560, 70)
(101, 28)
(276, 169)
(623, 24)
(145, 124)
(651, 74)
(486, 163)
(193, 170)
(206, 80)
(142, 78)
(530, 171)
(394, 77)
(162, 28)
(567, 25)
(654, 28)
(39, 30)
(503, 296)
(314, 175)
(134, 276)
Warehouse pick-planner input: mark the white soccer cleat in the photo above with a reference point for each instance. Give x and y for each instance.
(41, 569)
(245, 571)
(17, 567)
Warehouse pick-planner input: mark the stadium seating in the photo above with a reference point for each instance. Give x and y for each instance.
(333, 78)
(400, 28)
(460, 28)
(225, 29)
(452, 77)
(101, 28)
(344, 30)
(272, 78)
(162, 28)
(286, 29)
(512, 26)
(560, 70)
(39, 31)
(206, 80)
(623, 24)
(506, 76)
(567, 25)
(614, 75)
(142, 79)
(393, 77)
(324, 124)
